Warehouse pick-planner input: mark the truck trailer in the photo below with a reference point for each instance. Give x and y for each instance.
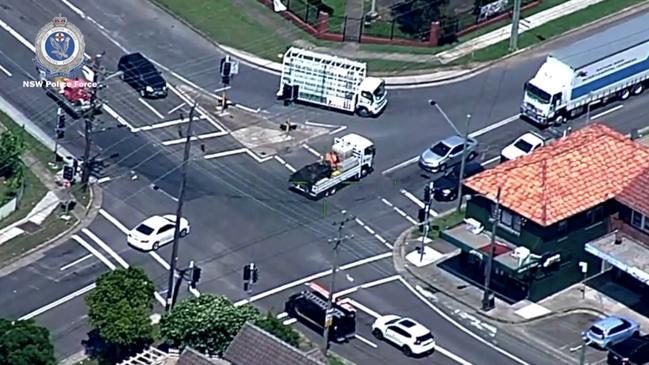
(351, 158)
(332, 82)
(613, 64)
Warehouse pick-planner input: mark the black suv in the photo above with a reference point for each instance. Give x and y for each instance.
(140, 73)
(632, 351)
(310, 308)
(445, 187)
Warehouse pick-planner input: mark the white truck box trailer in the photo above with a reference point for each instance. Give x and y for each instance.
(332, 82)
(607, 65)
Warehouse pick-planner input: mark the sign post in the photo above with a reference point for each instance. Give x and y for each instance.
(584, 270)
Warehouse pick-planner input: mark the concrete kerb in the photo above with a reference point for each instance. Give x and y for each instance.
(412, 277)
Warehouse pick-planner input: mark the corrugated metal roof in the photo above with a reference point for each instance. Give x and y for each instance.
(600, 45)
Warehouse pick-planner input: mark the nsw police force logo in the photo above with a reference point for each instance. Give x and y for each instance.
(60, 49)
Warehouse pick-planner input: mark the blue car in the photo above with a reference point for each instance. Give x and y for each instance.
(611, 330)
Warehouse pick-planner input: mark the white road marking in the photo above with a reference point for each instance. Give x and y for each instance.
(94, 251)
(17, 35)
(167, 267)
(284, 163)
(490, 161)
(363, 308)
(5, 71)
(606, 112)
(312, 150)
(403, 214)
(321, 125)
(236, 152)
(366, 341)
(74, 8)
(58, 302)
(166, 194)
(387, 202)
(369, 230)
(187, 100)
(459, 326)
(246, 108)
(338, 130)
(289, 321)
(496, 125)
(169, 123)
(383, 241)
(194, 138)
(106, 248)
(359, 222)
(282, 315)
(159, 297)
(114, 221)
(151, 108)
(176, 108)
(103, 180)
(401, 165)
(119, 118)
(452, 356)
(75, 262)
(313, 277)
(368, 285)
(412, 198)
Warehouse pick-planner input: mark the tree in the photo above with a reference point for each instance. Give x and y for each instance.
(24, 343)
(271, 324)
(119, 309)
(11, 147)
(415, 17)
(207, 323)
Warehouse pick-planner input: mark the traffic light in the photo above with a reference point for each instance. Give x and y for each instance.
(75, 166)
(255, 275)
(421, 216)
(427, 191)
(60, 121)
(226, 70)
(196, 276)
(68, 173)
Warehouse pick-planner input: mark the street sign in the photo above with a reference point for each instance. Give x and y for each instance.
(66, 183)
(329, 318)
(234, 68)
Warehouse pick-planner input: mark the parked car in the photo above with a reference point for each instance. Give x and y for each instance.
(411, 337)
(445, 188)
(156, 231)
(611, 330)
(632, 351)
(446, 152)
(522, 146)
(142, 75)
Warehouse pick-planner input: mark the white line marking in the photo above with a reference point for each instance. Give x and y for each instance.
(370, 230)
(431, 212)
(411, 220)
(176, 108)
(366, 341)
(74, 8)
(169, 123)
(338, 130)
(159, 297)
(280, 160)
(321, 125)
(5, 71)
(187, 100)
(381, 239)
(496, 125)
(401, 165)
(167, 266)
(119, 118)
(75, 262)
(606, 112)
(359, 222)
(237, 151)
(194, 138)
(313, 277)
(452, 356)
(367, 285)
(459, 326)
(105, 247)
(103, 180)
(17, 35)
(282, 315)
(167, 194)
(312, 150)
(285, 164)
(412, 198)
(246, 108)
(401, 212)
(114, 221)
(151, 108)
(490, 161)
(94, 251)
(58, 302)
(289, 321)
(386, 202)
(380, 282)
(364, 308)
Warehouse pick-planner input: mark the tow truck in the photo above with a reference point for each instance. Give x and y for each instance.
(351, 158)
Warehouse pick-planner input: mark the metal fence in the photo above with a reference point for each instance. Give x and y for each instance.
(308, 13)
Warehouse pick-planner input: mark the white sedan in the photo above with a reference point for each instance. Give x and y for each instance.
(411, 337)
(155, 232)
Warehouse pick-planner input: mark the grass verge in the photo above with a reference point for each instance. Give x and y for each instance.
(33, 193)
(87, 362)
(551, 30)
(442, 223)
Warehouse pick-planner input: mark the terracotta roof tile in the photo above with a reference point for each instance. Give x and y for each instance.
(636, 194)
(571, 175)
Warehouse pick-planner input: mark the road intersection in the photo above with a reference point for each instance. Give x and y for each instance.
(237, 203)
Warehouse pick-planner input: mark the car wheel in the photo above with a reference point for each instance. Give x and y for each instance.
(142, 94)
(406, 350)
(636, 334)
(156, 246)
(378, 334)
(184, 232)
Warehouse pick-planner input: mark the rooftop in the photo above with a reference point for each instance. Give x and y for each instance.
(586, 168)
(629, 255)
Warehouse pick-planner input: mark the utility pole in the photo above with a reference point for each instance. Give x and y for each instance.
(179, 210)
(487, 303)
(582, 353)
(423, 219)
(334, 267)
(89, 119)
(516, 19)
(463, 162)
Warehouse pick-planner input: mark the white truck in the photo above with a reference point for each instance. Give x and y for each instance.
(351, 158)
(332, 82)
(607, 65)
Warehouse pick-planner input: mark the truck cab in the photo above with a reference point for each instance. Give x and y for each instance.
(544, 95)
(372, 97)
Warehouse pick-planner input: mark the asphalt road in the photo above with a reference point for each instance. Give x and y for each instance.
(239, 209)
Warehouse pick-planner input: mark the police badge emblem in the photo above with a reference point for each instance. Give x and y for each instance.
(59, 49)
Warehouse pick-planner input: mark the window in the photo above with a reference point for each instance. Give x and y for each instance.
(399, 331)
(166, 228)
(636, 219)
(457, 150)
(595, 215)
(510, 220)
(562, 229)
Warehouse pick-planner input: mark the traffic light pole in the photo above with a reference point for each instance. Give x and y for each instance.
(181, 199)
(486, 295)
(57, 132)
(463, 162)
(89, 119)
(334, 268)
(426, 228)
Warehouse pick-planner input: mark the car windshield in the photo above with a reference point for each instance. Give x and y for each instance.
(536, 93)
(424, 338)
(523, 145)
(597, 331)
(440, 149)
(391, 321)
(144, 229)
(380, 91)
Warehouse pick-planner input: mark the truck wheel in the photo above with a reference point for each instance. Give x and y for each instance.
(624, 94)
(363, 112)
(332, 191)
(364, 172)
(638, 89)
(559, 120)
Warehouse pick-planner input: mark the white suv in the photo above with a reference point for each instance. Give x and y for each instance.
(406, 333)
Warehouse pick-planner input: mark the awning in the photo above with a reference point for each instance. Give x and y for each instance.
(628, 255)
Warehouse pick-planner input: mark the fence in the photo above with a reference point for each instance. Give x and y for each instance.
(12, 204)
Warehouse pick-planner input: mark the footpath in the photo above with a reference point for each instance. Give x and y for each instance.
(446, 57)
